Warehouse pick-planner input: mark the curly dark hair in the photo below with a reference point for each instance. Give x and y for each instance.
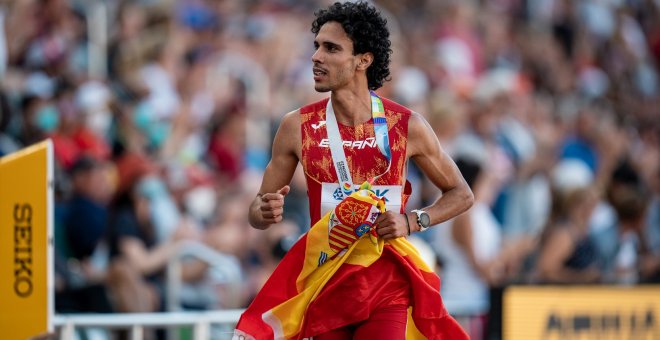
(367, 29)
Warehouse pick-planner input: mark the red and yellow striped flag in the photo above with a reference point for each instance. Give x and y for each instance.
(299, 299)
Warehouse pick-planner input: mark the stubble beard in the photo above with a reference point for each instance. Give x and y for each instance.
(334, 83)
(322, 88)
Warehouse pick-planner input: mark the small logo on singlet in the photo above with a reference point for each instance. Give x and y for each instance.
(319, 125)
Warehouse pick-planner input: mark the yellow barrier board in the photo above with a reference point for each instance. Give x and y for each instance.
(588, 312)
(26, 255)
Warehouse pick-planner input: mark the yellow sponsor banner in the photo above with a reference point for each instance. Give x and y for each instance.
(26, 255)
(581, 312)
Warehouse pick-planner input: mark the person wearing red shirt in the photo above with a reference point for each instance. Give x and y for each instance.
(351, 61)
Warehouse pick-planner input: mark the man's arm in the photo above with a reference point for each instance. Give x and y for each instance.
(268, 207)
(425, 150)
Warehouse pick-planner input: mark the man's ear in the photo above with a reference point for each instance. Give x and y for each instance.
(365, 60)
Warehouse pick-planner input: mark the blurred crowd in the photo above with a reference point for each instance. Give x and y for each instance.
(162, 113)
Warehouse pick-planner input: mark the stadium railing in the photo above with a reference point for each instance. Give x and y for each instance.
(201, 322)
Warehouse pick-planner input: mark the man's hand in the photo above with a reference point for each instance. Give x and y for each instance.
(391, 225)
(271, 206)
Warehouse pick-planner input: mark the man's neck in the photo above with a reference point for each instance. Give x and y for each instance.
(351, 107)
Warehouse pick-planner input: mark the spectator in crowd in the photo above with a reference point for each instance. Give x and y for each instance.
(86, 221)
(138, 256)
(8, 144)
(650, 263)
(81, 255)
(567, 255)
(624, 246)
(469, 247)
(631, 205)
(474, 255)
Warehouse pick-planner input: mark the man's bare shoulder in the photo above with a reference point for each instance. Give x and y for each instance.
(416, 120)
(290, 121)
(418, 126)
(291, 116)
(420, 134)
(288, 139)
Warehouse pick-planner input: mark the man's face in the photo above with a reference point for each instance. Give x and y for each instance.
(334, 62)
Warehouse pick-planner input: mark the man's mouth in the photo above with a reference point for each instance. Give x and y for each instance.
(318, 72)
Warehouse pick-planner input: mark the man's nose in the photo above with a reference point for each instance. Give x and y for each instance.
(316, 57)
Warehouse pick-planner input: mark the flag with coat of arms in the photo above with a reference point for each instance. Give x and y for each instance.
(288, 304)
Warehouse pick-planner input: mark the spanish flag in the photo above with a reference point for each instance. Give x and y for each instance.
(310, 292)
